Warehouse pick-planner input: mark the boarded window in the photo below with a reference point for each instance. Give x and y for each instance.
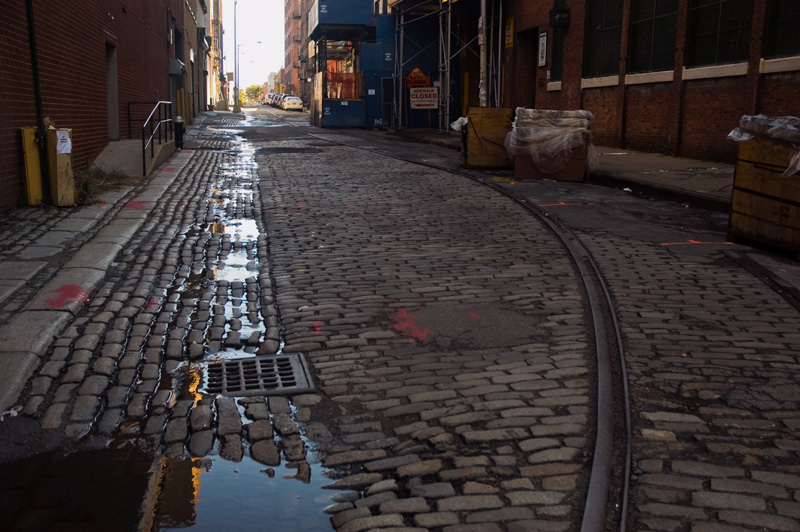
(603, 34)
(783, 28)
(719, 32)
(653, 27)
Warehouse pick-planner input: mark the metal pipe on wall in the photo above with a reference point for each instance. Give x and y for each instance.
(483, 86)
(41, 134)
(499, 93)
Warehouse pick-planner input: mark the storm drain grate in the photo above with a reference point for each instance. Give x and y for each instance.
(262, 375)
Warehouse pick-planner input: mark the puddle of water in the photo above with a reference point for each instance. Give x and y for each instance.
(108, 489)
(253, 496)
(87, 490)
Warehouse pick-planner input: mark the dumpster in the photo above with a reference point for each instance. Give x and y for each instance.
(550, 144)
(765, 201)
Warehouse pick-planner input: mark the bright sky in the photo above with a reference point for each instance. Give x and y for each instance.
(256, 20)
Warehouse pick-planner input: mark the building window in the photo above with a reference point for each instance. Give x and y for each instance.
(603, 34)
(783, 21)
(653, 27)
(719, 32)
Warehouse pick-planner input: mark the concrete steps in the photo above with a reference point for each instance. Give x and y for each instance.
(126, 156)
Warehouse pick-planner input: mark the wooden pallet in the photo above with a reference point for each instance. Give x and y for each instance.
(765, 206)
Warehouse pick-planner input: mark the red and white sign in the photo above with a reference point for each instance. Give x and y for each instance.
(424, 97)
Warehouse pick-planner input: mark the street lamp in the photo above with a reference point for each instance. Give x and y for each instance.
(238, 108)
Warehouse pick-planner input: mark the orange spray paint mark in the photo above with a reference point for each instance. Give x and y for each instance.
(693, 242)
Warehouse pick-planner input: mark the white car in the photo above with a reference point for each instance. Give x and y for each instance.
(292, 102)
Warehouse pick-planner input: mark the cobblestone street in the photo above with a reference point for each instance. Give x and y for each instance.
(448, 339)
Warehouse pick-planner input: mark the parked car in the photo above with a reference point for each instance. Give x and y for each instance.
(282, 98)
(275, 99)
(292, 102)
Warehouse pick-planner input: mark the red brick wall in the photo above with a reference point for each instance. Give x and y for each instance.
(711, 109)
(71, 40)
(774, 98)
(603, 102)
(646, 119)
(707, 109)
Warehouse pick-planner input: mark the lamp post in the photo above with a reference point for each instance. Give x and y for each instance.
(236, 75)
(237, 108)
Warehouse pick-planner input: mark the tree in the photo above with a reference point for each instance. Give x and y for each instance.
(253, 93)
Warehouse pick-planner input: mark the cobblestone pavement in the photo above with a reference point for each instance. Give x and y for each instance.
(446, 331)
(450, 350)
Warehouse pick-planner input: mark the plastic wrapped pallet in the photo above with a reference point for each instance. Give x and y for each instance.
(551, 144)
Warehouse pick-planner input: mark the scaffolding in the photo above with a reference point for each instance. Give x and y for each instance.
(411, 12)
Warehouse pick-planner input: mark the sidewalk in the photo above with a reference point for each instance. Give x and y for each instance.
(702, 183)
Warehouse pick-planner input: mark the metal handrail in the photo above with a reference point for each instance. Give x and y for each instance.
(131, 120)
(163, 110)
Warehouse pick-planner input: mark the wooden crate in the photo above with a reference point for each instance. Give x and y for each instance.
(765, 206)
(484, 146)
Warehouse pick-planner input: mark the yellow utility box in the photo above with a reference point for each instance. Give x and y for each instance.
(33, 171)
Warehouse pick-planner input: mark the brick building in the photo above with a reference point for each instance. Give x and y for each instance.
(95, 57)
(668, 76)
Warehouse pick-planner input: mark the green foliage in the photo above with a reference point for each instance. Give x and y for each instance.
(253, 93)
(91, 182)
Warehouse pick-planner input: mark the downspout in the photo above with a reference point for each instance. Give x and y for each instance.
(499, 93)
(41, 134)
(483, 87)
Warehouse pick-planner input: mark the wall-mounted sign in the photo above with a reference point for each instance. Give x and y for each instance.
(509, 32)
(424, 98)
(543, 49)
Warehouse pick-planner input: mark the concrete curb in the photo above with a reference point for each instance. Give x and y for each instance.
(696, 199)
(27, 336)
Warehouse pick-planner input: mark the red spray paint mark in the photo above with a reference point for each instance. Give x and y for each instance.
(101, 203)
(152, 305)
(300, 205)
(694, 242)
(406, 327)
(137, 205)
(168, 169)
(475, 316)
(317, 328)
(69, 293)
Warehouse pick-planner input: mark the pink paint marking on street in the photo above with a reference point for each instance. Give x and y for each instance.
(317, 327)
(475, 316)
(67, 294)
(152, 305)
(405, 326)
(137, 205)
(300, 205)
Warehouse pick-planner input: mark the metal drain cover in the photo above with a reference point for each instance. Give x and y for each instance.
(261, 375)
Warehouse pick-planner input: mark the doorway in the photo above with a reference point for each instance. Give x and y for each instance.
(112, 92)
